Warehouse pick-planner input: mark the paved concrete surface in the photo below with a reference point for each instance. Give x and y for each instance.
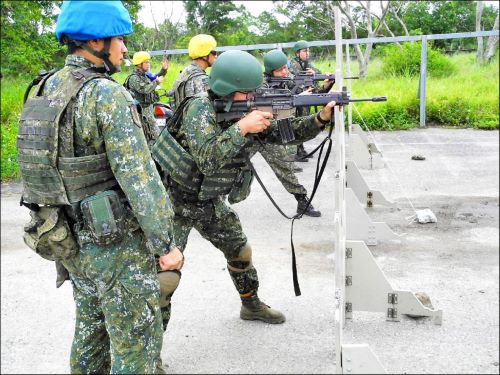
(455, 261)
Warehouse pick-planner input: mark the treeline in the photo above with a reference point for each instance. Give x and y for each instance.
(28, 43)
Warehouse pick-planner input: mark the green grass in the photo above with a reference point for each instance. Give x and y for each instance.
(468, 98)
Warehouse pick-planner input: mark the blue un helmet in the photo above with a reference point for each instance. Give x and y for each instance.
(80, 21)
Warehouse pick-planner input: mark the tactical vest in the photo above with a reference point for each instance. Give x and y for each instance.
(177, 163)
(142, 99)
(180, 88)
(51, 174)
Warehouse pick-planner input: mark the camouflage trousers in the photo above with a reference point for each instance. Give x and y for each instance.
(118, 321)
(220, 225)
(148, 122)
(275, 155)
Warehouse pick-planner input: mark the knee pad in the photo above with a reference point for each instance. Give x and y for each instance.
(169, 281)
(242, 262)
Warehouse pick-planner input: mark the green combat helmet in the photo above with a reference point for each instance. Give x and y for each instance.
(273, 60)
(235, 71)
(301, 44)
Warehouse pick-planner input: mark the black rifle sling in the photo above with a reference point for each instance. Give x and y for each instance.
(317, 178)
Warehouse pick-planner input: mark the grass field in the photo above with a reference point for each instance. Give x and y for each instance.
(468, 98)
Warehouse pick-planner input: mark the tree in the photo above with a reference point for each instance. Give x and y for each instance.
(479, 12)
(492, 43)
(28, 43)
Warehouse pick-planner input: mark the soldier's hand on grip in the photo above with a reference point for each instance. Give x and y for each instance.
(172, 261)
(255, 122)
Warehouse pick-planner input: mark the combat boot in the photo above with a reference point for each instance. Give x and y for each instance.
(252, 308)
(302, 204)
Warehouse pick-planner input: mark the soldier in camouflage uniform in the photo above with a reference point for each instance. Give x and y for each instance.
(275, 65)
(142, 89)
(193, 79)
(301, 63)
(100, 162)
(203, 161)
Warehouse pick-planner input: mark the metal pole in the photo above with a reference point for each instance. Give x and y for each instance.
(422, 80)
(339, 217)
(349, 108)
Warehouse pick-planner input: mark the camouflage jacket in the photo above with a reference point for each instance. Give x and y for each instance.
(213, 145)
(105, 120)
(298, 66)
(141, 88)
(191, 81)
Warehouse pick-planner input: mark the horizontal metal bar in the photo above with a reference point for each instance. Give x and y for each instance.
(320, 43)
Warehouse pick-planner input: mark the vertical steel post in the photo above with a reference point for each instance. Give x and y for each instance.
(422, 80)
(349, 108)
(339, 192)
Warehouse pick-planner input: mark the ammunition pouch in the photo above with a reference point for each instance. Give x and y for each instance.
(241, 187)
(103, 216)
(49, 235)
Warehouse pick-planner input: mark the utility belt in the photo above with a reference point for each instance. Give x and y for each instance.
(182, 196)
(54, 232)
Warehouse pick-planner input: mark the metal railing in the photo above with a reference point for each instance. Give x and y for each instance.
(318, 43)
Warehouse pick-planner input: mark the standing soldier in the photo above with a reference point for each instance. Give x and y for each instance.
(96, 200)
(142, 89)
(193, 79)
(275, 65)
(204, 161)
(301, 63)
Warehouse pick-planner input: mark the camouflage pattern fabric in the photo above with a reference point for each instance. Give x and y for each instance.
(115, 287)
(191, 81)
(213, 146)
(297, 65)
(143, 90)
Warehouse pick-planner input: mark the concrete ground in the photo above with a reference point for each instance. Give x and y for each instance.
(455, 261)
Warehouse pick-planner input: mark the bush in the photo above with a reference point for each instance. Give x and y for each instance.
(405, 61)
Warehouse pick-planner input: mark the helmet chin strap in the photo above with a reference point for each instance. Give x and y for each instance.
(103, 55)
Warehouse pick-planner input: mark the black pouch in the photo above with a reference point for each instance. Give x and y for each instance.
(103, 215)
(49, 235)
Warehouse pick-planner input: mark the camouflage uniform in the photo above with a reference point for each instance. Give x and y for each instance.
(191, 81)
(276, 156)
(115, 287)
(143, 90)
(213, 146)
(297, 66)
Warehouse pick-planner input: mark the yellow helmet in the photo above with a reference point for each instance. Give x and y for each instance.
(201, 45)
(140, 57)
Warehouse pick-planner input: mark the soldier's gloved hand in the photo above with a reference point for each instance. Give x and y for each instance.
(310, 71)
(326, 113)
(172, 261)
(164, 64)
(255, 122)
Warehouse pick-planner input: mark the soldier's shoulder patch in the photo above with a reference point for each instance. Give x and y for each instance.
(135, 115)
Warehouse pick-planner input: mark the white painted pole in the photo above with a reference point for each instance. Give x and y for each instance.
(349, 108)
(339, 190)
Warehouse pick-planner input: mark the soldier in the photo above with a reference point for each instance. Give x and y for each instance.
(193, 79)
(143, 88)
(275, 65)
(93, 190)
(203, 161)
(300, 63)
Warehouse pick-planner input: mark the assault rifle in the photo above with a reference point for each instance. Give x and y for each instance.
(282, 103)
(303, 80)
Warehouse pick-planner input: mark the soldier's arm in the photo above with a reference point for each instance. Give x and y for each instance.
(211, 146)
(142, 86)
(131, 163)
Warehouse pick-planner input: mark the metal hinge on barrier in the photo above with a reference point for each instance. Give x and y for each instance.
(392, 298)
(392, 313)
(348, 307)
(369, 197)
(348, 280)
(348, 252)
